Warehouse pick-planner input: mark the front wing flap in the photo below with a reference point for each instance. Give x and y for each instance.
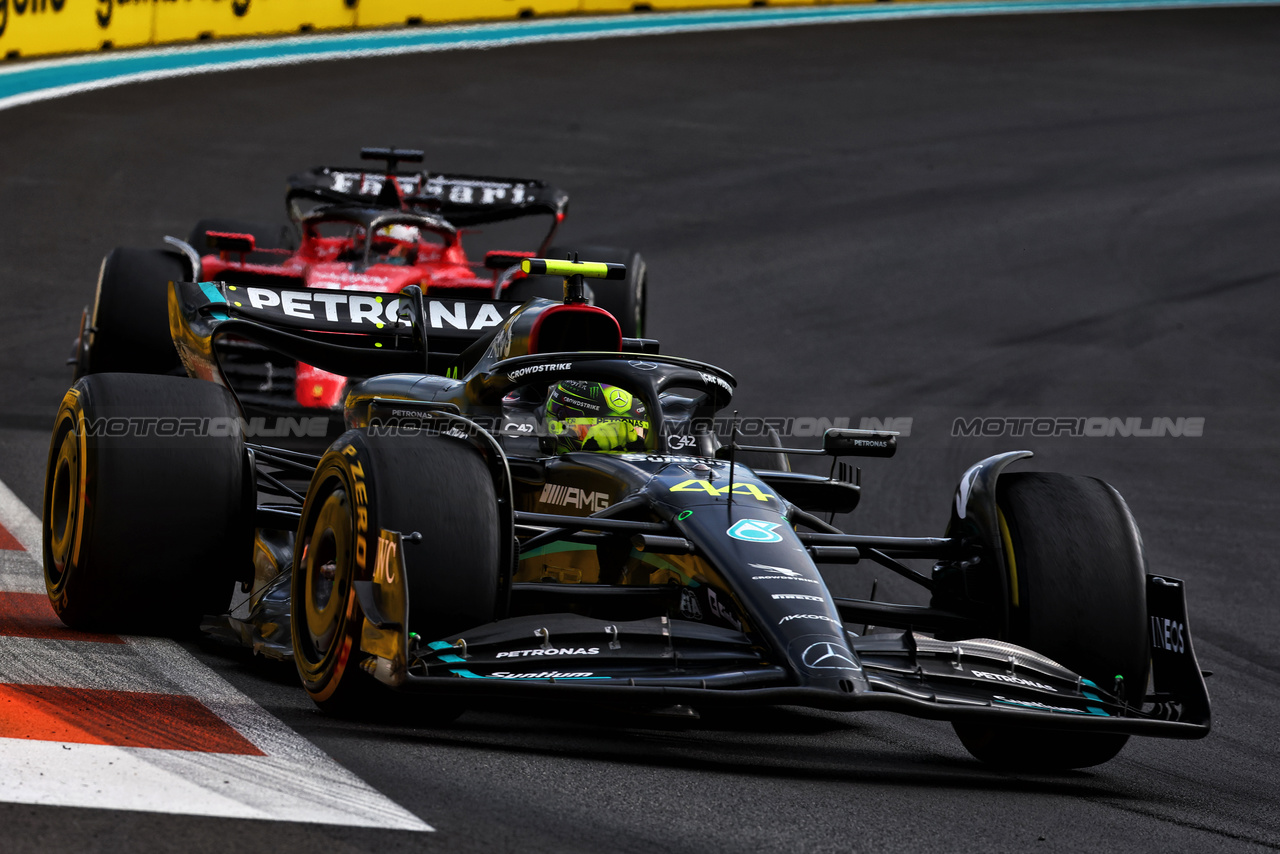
(659, 661)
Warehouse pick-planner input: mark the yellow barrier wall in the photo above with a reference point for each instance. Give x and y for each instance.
(189, 20)
(35, 27)
(386, 13)
(29, 27)
(41, 27)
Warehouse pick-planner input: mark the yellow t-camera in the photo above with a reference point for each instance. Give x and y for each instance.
(587, 269)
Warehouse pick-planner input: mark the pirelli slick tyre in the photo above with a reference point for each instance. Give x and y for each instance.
(434, 490)
(760, 460)
(625, 300)
(129, 326)
(523, 290)
(1078, 595)
(147, 512)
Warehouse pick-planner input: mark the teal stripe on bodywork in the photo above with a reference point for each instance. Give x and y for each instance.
(1094, 710)
(557, 546)
(212, 292)
(1090, 710)
(215, 296)
(467, 674)
(24, 82)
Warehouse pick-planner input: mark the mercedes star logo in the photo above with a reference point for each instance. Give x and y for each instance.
(828, 656)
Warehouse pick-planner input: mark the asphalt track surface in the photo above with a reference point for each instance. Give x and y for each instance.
(1062, 216)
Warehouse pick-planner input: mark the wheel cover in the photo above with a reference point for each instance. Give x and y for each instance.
(327, 578)
(64, 502)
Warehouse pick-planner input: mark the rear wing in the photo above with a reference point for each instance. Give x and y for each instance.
(353, 333)
(464, 200)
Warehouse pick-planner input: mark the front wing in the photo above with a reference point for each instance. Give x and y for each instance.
(658, 662)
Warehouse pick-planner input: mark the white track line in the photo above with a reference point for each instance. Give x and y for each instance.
(76, 664)
(15, 567)
(22, 523)
(294, 781)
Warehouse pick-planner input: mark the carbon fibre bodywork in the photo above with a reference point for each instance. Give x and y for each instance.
(669, 576)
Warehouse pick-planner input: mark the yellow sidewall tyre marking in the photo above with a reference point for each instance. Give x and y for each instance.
(1012, 563)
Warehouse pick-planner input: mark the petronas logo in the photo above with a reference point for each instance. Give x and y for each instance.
(755, 531)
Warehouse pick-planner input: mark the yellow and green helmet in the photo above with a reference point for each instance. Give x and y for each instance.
(589, 416)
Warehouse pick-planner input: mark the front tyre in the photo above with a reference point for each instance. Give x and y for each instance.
(761, 460)
(431, 485)
(1078, 595)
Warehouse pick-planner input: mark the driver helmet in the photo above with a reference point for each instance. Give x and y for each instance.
(590, 416)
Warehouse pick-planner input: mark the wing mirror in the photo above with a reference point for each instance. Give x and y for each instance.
(837, 442)
(228, 241)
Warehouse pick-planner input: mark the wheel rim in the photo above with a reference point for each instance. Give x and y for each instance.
(63, 510)
(327, 575)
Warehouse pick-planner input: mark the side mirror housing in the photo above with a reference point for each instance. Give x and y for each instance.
(839, 442)
(227, 241)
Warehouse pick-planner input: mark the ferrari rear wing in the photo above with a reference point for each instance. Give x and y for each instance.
(463, 200)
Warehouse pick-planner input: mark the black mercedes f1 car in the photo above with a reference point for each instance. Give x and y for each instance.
(448, 544)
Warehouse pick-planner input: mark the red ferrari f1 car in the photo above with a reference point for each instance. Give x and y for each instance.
(375, 230)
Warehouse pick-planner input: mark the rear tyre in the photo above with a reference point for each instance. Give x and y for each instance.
(146, 524)
(130, 320)
(625, 300)
(1077, 563)
(265, 236)
(546, 287)
(432, 485)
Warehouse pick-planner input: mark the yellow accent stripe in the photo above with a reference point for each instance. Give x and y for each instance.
(590, 269)
(1008, 557)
